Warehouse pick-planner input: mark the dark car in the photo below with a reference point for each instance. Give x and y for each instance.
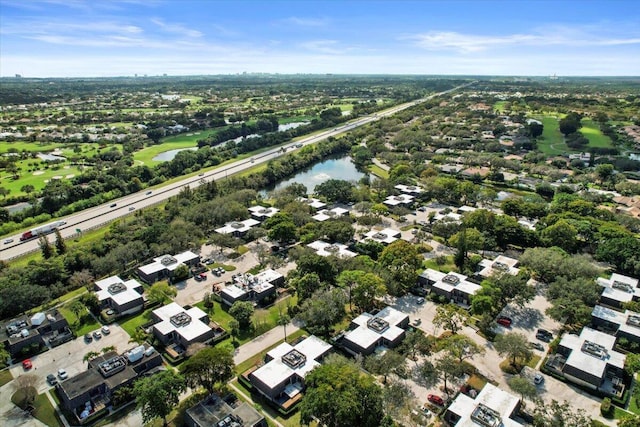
(113, 205)
(544, 335)
(200, 277)
(435, 399)
(88, 337)
(504, 321)
(536, 345)
(51, 379)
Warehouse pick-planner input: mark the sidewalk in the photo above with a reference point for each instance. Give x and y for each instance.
(264, 341)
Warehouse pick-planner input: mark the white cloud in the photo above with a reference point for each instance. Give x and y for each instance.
(323, 46)
(176, 28)
(306, 22)
(552, 36)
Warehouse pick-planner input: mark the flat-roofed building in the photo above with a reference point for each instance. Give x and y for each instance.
(250, 287)
(314, 203)
(453, 286)
(409, 189)
(621, 324)
(386, 236)
(34, 331)
(335, 249)
(281, 378)
(589, 360)
(176, 325)
(402, 199)
(618, 289)
(260, 213)
(492, 407)
(238, 228)
(123, 297)
(163, 266)
(213, 411)
(326, 214)
(502, 264)
(90, 392)
(369, 331)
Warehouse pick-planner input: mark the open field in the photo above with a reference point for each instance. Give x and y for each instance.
(499, 106)
(39, 180)
(591, 131)
(185, 140)
(19, 146)
(552, 141)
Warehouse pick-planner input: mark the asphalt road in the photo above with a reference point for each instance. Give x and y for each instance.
(99, 215)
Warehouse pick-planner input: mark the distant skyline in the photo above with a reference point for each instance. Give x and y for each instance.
(106, 38)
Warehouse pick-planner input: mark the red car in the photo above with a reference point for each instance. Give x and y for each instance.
(437, 400)
(26, 364)
(504, 321)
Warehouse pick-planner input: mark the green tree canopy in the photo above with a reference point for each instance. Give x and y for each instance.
(158, 395)
(208, 367)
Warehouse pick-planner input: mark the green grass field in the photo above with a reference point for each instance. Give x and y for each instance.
(5, 377)
(591, 131)
(499, 106)
(87, 325)
(27, 146)
(378, 171)
(552, 141)
(186, 140)
(38, 181)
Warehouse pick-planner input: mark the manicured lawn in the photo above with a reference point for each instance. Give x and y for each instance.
(499, 106)
(185, 140)
(87, 324)
(27, 146)
(378, 171)
(38, 181)
(591, 131)
(5, 377)
(63, 298)
(445, 268)
(44, 410)
(261, 404)
(131, 324)
(551, 142)
(295, 119)
(260, 356)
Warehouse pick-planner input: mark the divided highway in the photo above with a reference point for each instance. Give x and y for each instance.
(99, 215)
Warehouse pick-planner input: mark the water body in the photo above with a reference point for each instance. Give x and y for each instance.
(337, 168)
(291, 126)
(634, 156)
(169, 155)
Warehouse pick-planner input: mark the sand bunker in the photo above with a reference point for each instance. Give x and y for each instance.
(70, 176)
(38, 172)
(56, 177)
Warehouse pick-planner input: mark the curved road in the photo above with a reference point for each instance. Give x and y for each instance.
(102, 214)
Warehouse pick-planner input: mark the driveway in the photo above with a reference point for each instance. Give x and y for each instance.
(69, 356)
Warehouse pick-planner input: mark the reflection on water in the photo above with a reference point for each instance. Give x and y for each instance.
(340, 168)
(165, 156)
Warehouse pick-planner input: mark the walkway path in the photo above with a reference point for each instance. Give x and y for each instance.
(380, 164)
(10, 414)
(261, 343)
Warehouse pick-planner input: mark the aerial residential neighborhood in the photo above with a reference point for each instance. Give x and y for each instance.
(288, 214)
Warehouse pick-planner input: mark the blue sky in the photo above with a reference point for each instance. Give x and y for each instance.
(68, 38)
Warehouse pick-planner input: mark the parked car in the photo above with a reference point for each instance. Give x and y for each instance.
(97, 335)
(26, 364)
(105, 330)
(200, 277)
(420, 301)
(62, 374)
(435, 399)
(422, 209)
(504, 321)
(536, 345)
(538, 379)
(51, 379)
(88, 337)
(544, 335)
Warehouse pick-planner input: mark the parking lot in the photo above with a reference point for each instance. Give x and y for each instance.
(69, 356)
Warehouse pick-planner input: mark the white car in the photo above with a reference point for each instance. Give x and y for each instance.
(105, 330)
(62, 373)
(538, 379)
(7, 241)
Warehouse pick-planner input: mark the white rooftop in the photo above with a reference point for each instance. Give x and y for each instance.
(448, 281)
(326, 214)
(411, 189)
(314, 203)
(237, 226)
(276, 372)
(326, 249)
(619, 287)
(502, 264)
(402, 199)
(386, 236)
(627, 321)
(168, 262)
(190, 331)
(234, 291)
(502, 404)
(364, 336)
(587, 362)
(119, 297)
(261, 211)
(452, 216)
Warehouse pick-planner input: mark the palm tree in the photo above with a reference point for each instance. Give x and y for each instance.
(90, 355)
(77, 307)
(283, 320)
(139, 336)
